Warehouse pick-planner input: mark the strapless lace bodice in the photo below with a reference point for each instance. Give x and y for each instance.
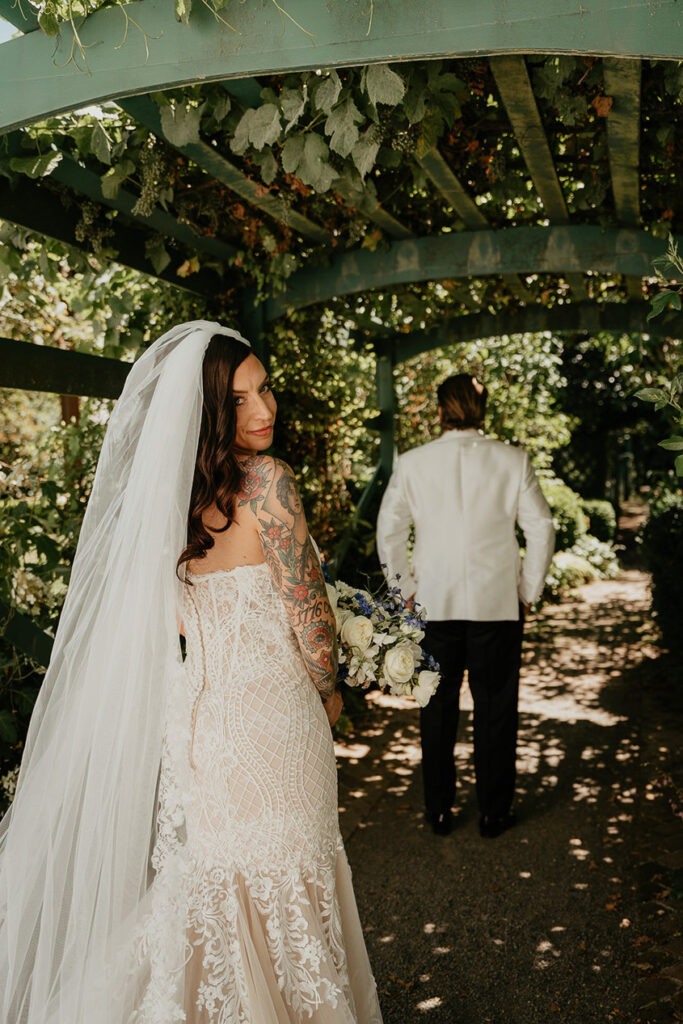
(264, 773)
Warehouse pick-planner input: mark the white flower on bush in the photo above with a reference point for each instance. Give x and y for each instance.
(427, 683)
(399, 663)
(357, 632)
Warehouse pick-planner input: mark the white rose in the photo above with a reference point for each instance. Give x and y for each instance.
(399, 663)
(428, 679)
(427, 683)
(357, 632)
(341, 616)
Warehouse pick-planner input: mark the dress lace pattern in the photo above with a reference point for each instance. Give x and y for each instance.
(251, 918)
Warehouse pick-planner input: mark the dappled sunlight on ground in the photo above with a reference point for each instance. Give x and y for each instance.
(540, 924)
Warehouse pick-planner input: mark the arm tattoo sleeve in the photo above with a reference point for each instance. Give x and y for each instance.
(294, 565)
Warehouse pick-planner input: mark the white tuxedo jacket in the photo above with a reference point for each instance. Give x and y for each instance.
(464, 493)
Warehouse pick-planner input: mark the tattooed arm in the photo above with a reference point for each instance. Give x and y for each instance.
(271, 491)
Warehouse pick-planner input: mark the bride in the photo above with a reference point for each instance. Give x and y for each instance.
(173, 850)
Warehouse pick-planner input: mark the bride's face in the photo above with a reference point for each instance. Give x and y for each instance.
(255, 406)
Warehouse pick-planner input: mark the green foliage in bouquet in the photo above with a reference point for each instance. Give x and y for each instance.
(663, 548)
(602, 519)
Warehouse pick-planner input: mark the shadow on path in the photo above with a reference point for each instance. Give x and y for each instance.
(570, 915)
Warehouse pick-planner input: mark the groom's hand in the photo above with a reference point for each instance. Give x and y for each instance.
(333, 706)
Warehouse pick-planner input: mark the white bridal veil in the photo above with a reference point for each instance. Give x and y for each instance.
(75, 845)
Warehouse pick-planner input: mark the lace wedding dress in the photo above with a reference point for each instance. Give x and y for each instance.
(252, 917)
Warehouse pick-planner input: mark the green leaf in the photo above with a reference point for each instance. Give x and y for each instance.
(663, 299)
(678, 465)
(221, 108)
(36, 166)
(414, 104)
(265, 127)
(182, 11)
(672, 444)
(314, 168)
(651, 395)
(292, 105)
(100, 145)
(365, 151)
(114, 178)
(47, 20)
(341, 125)
(259, 126)
(268, 165)
(292, 152)
(326, 94)
(240, 138)
(307, 156)
(180, 124)
(383, 85)
(156, 253)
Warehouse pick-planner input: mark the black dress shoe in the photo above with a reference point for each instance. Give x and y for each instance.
(441, 823)
(491, 827)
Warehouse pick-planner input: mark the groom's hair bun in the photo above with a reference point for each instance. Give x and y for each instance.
(463, 402)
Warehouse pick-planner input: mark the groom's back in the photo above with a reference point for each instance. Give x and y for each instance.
(463, 493)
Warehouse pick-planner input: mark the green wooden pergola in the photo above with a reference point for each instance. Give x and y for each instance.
(616, 245)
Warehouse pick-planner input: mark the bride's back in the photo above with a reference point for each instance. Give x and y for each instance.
(238, 545)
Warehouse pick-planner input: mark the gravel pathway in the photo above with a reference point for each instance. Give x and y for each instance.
(570, 916)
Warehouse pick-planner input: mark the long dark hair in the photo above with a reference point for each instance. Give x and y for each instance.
(217, 472)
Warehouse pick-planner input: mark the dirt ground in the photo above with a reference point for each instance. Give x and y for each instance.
(575, 914)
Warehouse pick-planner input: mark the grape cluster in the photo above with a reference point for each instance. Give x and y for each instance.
(85, 227)
(357, 230)
(406, 141)
(152, 170)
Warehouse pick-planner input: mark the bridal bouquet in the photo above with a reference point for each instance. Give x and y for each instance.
(379, 642)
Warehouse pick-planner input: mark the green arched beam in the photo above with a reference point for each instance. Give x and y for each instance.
(615, 317)
(556, 250)
(34, 86)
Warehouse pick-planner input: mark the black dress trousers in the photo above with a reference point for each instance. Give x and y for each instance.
(490, 651)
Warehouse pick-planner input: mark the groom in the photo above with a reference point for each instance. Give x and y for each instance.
(465, 493)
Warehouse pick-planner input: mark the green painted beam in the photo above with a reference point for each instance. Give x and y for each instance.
(20, 14)
(34, 207)
(42, 368)
(465, 207)
(21, 632)
(438, 171)
(210, 51)
(514, 85)
(85, 182)
(617, 318)
(557, 250)
(622, 83)
(145, 110)
(248, 92)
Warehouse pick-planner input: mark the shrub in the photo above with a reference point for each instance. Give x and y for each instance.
(567, 570)
(599, 554)
(568, 515)
(602, 519)
(663, 549)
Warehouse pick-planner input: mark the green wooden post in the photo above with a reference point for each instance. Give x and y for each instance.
(385, 422)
